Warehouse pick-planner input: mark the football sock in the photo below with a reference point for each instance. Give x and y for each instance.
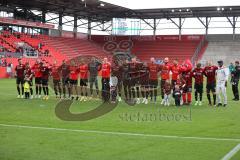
(22, 90)
(40, 90)
(31, 91)
(47, 90)
(209, 98)
(214, 98)
(36, 90)
(18, 89)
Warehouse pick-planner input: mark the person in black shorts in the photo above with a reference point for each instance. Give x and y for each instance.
(55, 73)
(126, 79)
(29, 77)
(64, 68)
(45, 76)
(19, 73)
(144, 83)
(210, 73)
(38, 77)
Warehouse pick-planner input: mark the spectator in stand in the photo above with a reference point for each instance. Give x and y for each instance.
(4, 63)
(46, 53)
(40, 46)
(1, 61)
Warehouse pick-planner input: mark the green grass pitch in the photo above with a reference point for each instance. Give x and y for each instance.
(30, 130)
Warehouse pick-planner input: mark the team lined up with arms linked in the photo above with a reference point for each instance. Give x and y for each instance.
(133, 76)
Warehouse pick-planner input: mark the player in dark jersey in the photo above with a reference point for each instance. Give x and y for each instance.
(45, 77)
(117, 70)
(83, 81)
(55, 73)
(94, 67)
(235, 74)
(29, 77)
(153, 69)
(38, 78)
(134, 67)
(144, 82)
(210, 73)
(73, 77)
(65, 78)
(126, 79)
(198, 74)
(19, 73)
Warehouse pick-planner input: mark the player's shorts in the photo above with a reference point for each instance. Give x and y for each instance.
(144, 81)
(65, 81)
(83, 82)
(211, 87)
(162, 82)
(153, 83)
(45, 82)
(73, 82)
(30, 83)
(126, 82)
(93, 79)
(187, 89)
(38, 80)
(20, 81)
(56, 82)
(173, 83)
(198, 88)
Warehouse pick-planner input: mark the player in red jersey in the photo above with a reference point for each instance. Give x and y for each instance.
(175, 69)
(165, 75)
(106, 72)
(65, 78)
(29, 76)
(198, 74)
(73, 77)
(55, 73)
(153, 69)
(19, 74)
(83, 81)
(45, 77)
(38, 78)
(210, 73)
(186, 70)
(187, 89)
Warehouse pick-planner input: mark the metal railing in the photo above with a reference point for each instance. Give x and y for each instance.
(198, 50)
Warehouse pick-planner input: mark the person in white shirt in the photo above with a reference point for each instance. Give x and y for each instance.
(222, 77)
(113, 88)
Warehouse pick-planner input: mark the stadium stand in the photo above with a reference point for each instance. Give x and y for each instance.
(145, 47)
(222, 47)
(70, 47)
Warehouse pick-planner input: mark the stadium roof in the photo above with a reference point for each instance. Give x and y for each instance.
(93, 9)
(101, 11)
(153, 4)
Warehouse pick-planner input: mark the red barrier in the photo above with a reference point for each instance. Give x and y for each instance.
(3, 72)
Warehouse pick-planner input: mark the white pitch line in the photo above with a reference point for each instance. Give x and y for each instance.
(230, 154)
(120, 133)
